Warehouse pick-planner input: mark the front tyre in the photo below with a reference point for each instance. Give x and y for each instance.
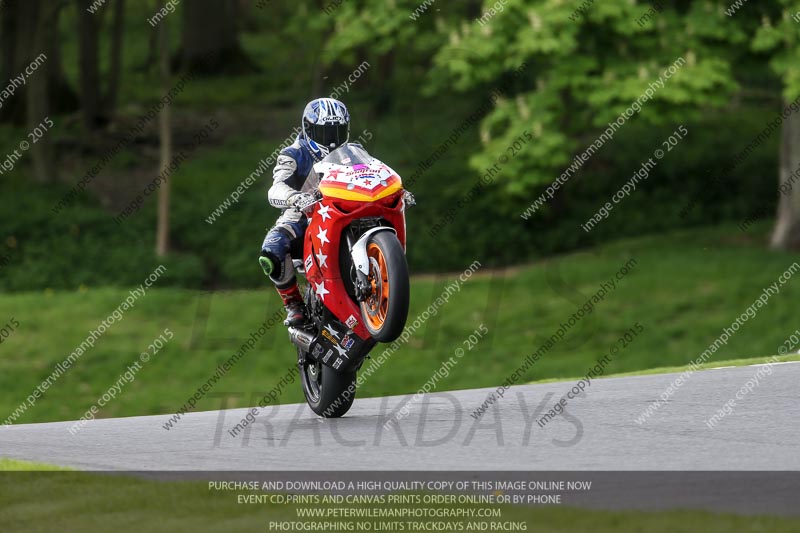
(329, 393)
(385, 309)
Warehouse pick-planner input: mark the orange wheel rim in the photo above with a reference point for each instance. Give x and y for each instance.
(377, 303)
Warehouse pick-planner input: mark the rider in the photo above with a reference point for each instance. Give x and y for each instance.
(325, 127)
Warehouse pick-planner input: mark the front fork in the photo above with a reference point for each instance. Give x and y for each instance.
(358, 251)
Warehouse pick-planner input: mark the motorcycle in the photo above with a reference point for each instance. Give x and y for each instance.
(356, 274)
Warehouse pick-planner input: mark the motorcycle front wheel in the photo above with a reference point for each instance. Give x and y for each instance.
(329, 393)
(385, 310)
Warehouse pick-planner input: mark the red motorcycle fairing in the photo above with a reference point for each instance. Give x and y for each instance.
(321, 255)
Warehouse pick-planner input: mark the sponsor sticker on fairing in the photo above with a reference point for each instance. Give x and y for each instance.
(347, 342)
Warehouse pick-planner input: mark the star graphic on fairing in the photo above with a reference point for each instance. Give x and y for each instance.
(322, 236)
(322, 259)
(323, 212)
(321, 290)
(332, 331)
(341, 350)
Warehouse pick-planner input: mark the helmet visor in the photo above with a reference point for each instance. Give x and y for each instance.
(328, 135)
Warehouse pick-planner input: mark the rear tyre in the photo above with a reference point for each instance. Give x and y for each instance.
(385, 310)
(329, 393)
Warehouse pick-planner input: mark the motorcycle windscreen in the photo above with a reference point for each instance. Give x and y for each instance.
(350, 173)
(349, 154)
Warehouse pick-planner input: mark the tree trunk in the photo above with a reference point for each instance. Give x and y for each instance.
(38, 96)
(89, 65)
(210, 39)
(152, 53)
(117, 33)
(786, 235)
(63, 98)
(165, 136)
(7, 40)
(17, 21)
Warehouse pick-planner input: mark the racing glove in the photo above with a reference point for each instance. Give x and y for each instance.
(301, 201)
(409, 199)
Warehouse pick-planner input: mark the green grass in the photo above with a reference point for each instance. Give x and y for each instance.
(76, 501)
(665, 370)
(686, 287)
(12, 465)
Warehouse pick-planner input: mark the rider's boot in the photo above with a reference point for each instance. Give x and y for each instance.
(295, 307)
(292, 299)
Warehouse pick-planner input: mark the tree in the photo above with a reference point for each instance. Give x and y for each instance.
(780, 35)
(115, 71)
(585, 66)
(97, 107)
(367, 30)
(17, 29)
(165, 137)
(581, 72)
(786, 235)
(44, 17)
(210, 39)
(89, 65)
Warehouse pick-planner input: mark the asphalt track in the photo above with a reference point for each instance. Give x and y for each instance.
(598, 433)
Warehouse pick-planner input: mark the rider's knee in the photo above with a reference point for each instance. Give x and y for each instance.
(277, 247)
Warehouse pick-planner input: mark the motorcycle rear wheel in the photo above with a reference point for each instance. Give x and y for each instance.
(385, 310)
(328, 393)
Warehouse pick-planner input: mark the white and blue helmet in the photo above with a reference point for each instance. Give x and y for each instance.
(326, 125)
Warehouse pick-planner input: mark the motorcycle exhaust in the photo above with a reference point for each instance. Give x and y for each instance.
(301, 339)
